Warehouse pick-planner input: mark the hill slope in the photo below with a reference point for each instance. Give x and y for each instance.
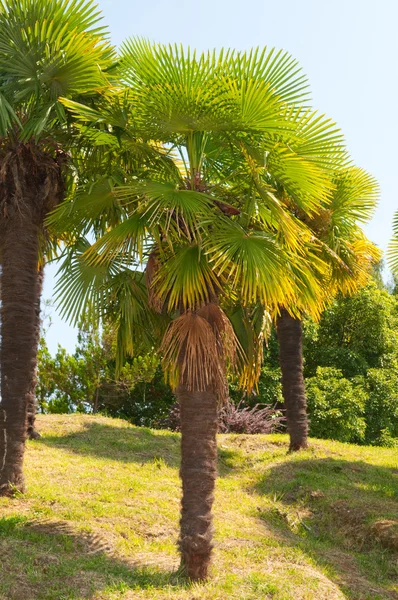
(100, 519)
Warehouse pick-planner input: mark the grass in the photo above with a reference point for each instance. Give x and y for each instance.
(100, 518)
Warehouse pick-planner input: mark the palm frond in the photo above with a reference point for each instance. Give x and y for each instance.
(251, 262)
(392, 252)
(355, 198)
(184, 278)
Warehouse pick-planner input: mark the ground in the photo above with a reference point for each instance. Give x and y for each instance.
(100, 518)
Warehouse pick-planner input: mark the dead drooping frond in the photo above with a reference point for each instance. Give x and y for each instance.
(227, 343)
(192, 357)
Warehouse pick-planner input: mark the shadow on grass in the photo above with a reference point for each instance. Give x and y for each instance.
(343, 514)
(131, 444)
(49, 561)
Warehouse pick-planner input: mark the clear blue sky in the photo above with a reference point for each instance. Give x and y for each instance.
(348, 48)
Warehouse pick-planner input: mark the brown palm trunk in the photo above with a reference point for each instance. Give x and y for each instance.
(198, 473)
(290, 336)
(33, 434)
(18, 345)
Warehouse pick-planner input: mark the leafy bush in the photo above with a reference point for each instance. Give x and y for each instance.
(381, 408)
(144, 403)
(234, 419)
(270, 387)
(354, 334)
(336, 407)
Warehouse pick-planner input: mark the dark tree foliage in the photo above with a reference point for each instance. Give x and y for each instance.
(355, 334)
(351, 368)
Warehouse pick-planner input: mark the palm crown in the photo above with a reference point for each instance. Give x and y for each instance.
(219, 152)
(58, 51)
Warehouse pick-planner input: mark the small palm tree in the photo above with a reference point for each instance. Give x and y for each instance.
(48, 49)
(198, 212)
(341, 244)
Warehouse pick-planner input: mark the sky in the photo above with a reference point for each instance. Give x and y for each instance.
(347, 48)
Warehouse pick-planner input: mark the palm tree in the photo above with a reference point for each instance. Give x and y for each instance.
(205, 223)
(341, 244)
(48, 49)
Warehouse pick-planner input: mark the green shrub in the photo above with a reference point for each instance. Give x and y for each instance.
(336, 407)
(270, 387)
(381, 408)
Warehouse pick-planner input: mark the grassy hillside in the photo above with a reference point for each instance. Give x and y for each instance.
(100, 518)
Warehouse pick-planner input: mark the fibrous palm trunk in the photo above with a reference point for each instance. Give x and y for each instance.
(33, 434)
(31, 184)
(198, 473)
(290, 336)
(18, 353)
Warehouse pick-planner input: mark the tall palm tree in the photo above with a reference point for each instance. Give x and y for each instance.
(206, 224)
(341, 244)
(48, 49)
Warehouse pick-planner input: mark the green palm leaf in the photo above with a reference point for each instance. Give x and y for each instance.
(392, 252)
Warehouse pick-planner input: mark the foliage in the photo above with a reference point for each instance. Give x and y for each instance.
(217, 150)
(336, 407)
(146, 401)
(257, 419)
(381, 408)
(86, 380)
(354, 334)
(269, 387)
(234, 418)
(68, 54)
(62, 385)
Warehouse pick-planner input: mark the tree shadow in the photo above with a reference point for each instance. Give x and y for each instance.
(51, 561)
(343, 514)
(131, 445)
(127, 444)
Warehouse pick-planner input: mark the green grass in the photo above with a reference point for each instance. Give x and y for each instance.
(100, 518)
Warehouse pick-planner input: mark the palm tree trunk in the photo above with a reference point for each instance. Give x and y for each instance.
(290, 336)
(198, 473)
(18, 345)
(33, 434)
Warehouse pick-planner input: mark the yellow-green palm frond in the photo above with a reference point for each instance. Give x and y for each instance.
(112, 293)
(317, 138)
(252, 327)
(355, 197)
(392, 252)
(48, 49)
(184, 278)
(174, 88)
(88, 206)
(167, 207)
(308, 274)
(80, 285)
(177, 90)
(352, 268)
(250, 261)
(277, 68)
